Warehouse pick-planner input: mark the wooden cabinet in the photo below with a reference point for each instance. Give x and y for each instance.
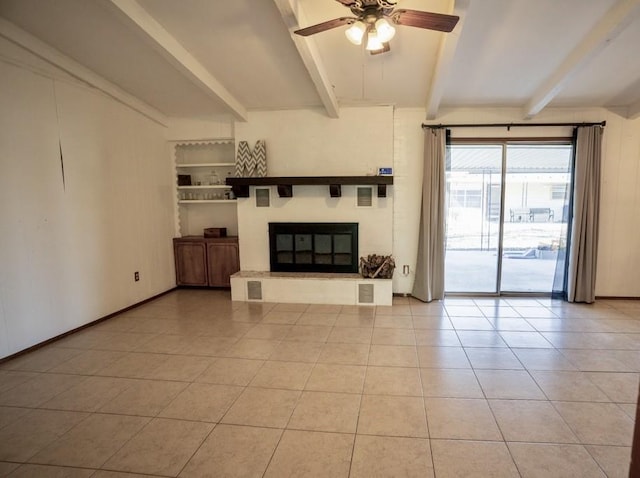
(191, 262)
(222, 260)
(206, 262)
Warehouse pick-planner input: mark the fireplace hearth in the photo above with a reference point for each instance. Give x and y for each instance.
(313, 247)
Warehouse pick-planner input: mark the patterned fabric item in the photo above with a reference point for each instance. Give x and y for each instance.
(250, 165)
(260, 158)
(242, 159)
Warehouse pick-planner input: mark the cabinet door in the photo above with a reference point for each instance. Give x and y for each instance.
(223, 261)
(191, 265)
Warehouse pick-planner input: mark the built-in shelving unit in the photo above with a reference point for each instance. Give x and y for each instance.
(202, 167)
(285, 184)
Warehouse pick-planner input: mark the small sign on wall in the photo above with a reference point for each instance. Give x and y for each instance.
(385, 171)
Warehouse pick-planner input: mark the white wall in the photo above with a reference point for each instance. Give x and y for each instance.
(308, 143)
(619, 251)
(407, 170)
(193, 129)
(68, 251)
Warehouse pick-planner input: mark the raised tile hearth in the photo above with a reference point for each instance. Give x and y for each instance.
(310, 288)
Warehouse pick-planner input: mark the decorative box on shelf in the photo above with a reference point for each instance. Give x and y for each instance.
(215, 232)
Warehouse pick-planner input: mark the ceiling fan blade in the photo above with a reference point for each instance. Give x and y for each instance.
(428, 20)
(328, 25)
(385, 48)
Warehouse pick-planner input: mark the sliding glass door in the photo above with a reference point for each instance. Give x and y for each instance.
(507, 217)
(537, 183)
(474, 185)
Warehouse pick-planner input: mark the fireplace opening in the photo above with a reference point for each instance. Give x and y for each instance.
(313, 247)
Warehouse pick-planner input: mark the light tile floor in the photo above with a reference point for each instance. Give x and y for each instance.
(194, 385)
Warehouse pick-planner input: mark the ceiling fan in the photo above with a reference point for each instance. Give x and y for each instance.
(373, 19)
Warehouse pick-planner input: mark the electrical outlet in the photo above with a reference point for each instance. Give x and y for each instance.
(405, 270)
(136, 276)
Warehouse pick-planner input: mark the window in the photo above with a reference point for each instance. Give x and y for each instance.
(466, 197)
(558, 191)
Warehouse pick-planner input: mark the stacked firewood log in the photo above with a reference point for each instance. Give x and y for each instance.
(375, 266)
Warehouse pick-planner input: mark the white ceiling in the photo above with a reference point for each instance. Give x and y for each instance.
(195, 58)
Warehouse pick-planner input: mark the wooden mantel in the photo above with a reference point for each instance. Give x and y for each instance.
(285, 184)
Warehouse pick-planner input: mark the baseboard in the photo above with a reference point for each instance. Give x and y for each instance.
(87, 325)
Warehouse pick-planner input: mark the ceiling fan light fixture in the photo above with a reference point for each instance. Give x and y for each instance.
(355, 32)
(384, 30)
(373, 42)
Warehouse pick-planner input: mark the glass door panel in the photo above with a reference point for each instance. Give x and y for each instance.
(474, 178)
(537, 186)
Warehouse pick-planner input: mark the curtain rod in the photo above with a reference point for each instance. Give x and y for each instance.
(508, 125)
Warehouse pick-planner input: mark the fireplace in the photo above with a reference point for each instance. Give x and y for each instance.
(313, 247)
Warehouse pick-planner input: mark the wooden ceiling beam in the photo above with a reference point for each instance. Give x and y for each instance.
(619, 17)
(446, 54)
(293, 16)
(178, 56)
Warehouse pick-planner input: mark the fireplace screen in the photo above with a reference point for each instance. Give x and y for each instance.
(313, 247)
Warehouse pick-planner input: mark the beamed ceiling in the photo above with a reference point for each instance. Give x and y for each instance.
(223, 58)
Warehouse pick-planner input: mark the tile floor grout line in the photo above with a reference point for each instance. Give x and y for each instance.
(364, 382)
(215, 424)
(492, 413)
(580, 443)
(186, 463)
(288, 419)
(424, 407)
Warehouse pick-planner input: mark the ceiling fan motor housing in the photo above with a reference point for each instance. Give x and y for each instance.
(371, 15)
(365, 8)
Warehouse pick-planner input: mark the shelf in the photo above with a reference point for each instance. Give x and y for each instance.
(206, 165)
(198, 142)
(285, 184)
(206, 186)
(206, 201)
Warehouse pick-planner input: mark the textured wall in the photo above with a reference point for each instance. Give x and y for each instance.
(69, 250)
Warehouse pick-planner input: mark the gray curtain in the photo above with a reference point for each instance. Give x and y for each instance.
(581, 273)
(429, 282)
